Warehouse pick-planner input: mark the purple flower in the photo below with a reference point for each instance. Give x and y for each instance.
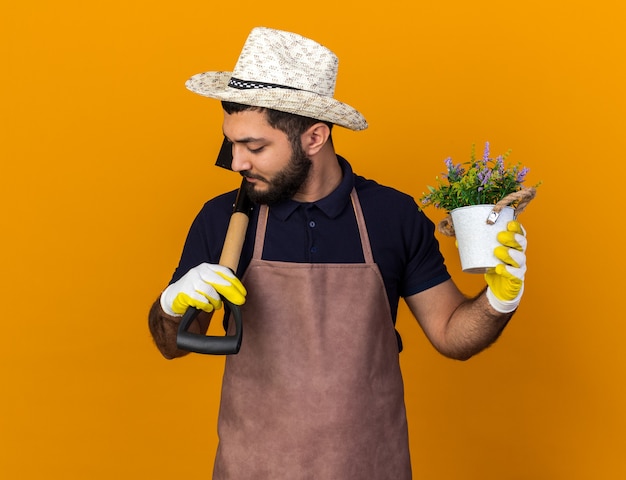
(483, 176)
(500, 164)
(486, 153)
(521, 175)
(454, 171)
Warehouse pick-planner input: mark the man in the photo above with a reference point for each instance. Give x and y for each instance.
(316, 389)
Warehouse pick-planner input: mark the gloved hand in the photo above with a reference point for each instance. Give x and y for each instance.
(201, 287)
(506, 281)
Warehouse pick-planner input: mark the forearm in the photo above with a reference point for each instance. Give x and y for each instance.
(164, 328)
(473, 327)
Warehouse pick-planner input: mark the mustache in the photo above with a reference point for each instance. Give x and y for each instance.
(248, 174)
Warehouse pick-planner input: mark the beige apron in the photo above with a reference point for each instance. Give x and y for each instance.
(316, 390)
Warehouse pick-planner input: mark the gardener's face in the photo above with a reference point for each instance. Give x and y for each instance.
(274, 168)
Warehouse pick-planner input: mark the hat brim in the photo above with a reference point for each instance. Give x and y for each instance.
(299, 102)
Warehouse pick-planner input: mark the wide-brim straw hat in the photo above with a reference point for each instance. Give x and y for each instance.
(282, 71)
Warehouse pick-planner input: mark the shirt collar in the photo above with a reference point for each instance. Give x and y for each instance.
(332, 205)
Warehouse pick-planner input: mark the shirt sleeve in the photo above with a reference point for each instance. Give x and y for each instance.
(425, 267)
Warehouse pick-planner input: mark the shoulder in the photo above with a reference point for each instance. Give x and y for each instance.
(394, 218)
(382, 200)
(219, 207)
(369, 187)
(225, 200)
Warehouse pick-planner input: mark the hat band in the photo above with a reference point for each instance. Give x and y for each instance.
(248, 85)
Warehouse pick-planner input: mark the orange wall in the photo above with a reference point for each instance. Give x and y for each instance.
(106, 158)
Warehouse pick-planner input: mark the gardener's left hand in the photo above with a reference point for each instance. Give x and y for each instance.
(506, 281)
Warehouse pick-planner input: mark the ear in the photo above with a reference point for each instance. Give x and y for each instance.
(315, 137)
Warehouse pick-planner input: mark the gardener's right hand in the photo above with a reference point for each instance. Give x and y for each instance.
(201, 288)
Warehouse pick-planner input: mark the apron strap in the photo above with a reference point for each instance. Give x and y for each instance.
(261, 228)
(360, 220)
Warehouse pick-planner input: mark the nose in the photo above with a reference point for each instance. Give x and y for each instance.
(241, 160)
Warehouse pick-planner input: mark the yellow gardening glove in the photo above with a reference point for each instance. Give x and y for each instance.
(506, 281)
(201, 288)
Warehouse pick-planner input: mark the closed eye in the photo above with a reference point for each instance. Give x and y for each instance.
(248, 141)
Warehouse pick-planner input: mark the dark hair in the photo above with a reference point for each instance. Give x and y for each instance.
(293, 125)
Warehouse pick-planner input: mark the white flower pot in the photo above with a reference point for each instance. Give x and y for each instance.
(476, 239)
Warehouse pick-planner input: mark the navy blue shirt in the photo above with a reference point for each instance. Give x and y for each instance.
(402, 237)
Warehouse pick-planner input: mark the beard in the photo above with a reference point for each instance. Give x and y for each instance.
(285, 183)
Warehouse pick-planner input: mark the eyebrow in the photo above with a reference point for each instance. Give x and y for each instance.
(246, 139)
